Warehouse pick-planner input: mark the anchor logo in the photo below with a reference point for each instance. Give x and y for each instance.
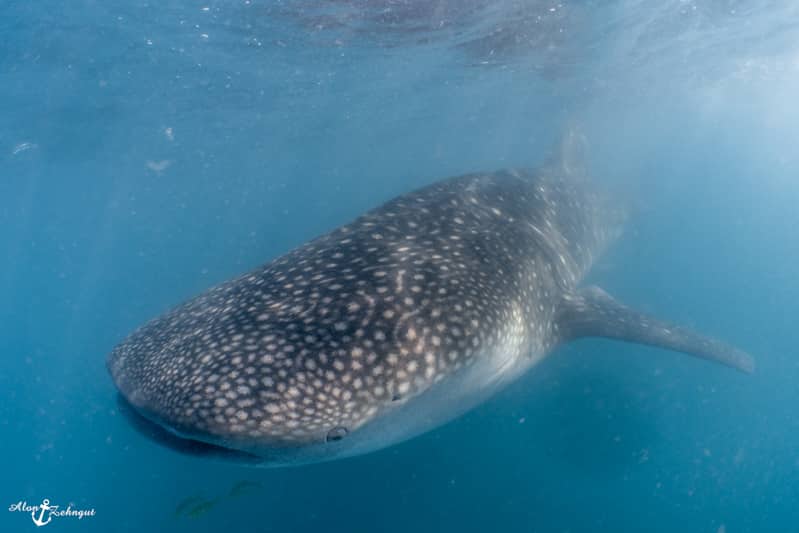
(44, 507)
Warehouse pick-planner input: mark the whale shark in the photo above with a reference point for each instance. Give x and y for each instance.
(391, 325)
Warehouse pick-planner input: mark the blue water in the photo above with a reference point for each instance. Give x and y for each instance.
(150, 150)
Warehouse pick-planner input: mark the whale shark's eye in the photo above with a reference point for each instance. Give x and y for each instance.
(335, 434)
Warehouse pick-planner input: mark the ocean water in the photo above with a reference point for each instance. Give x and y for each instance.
(149, 150)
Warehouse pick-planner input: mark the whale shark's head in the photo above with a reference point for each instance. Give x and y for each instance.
(228, 377)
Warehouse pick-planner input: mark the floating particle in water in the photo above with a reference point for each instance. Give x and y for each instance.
(23, 147)
(159, 166)
(739, 456)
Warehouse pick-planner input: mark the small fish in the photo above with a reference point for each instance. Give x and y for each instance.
(244, 487)
(202, 508)
(186, 503)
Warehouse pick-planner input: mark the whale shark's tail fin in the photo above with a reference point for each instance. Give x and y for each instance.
(594, 313)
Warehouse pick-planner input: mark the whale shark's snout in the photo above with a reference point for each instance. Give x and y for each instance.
(187, 446)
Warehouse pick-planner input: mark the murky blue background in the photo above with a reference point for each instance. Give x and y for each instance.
(150, 150)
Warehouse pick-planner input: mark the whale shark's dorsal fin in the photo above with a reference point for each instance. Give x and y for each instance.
(573, 152)
(569, 157)
(592, 312)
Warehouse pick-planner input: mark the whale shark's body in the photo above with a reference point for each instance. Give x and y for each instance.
(388, 326)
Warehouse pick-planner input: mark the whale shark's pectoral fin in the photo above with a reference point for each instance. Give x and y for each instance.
(592, 312)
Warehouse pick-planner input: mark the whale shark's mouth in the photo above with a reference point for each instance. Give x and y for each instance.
(186, 446)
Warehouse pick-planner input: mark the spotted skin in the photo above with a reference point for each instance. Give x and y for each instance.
(378, 330)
